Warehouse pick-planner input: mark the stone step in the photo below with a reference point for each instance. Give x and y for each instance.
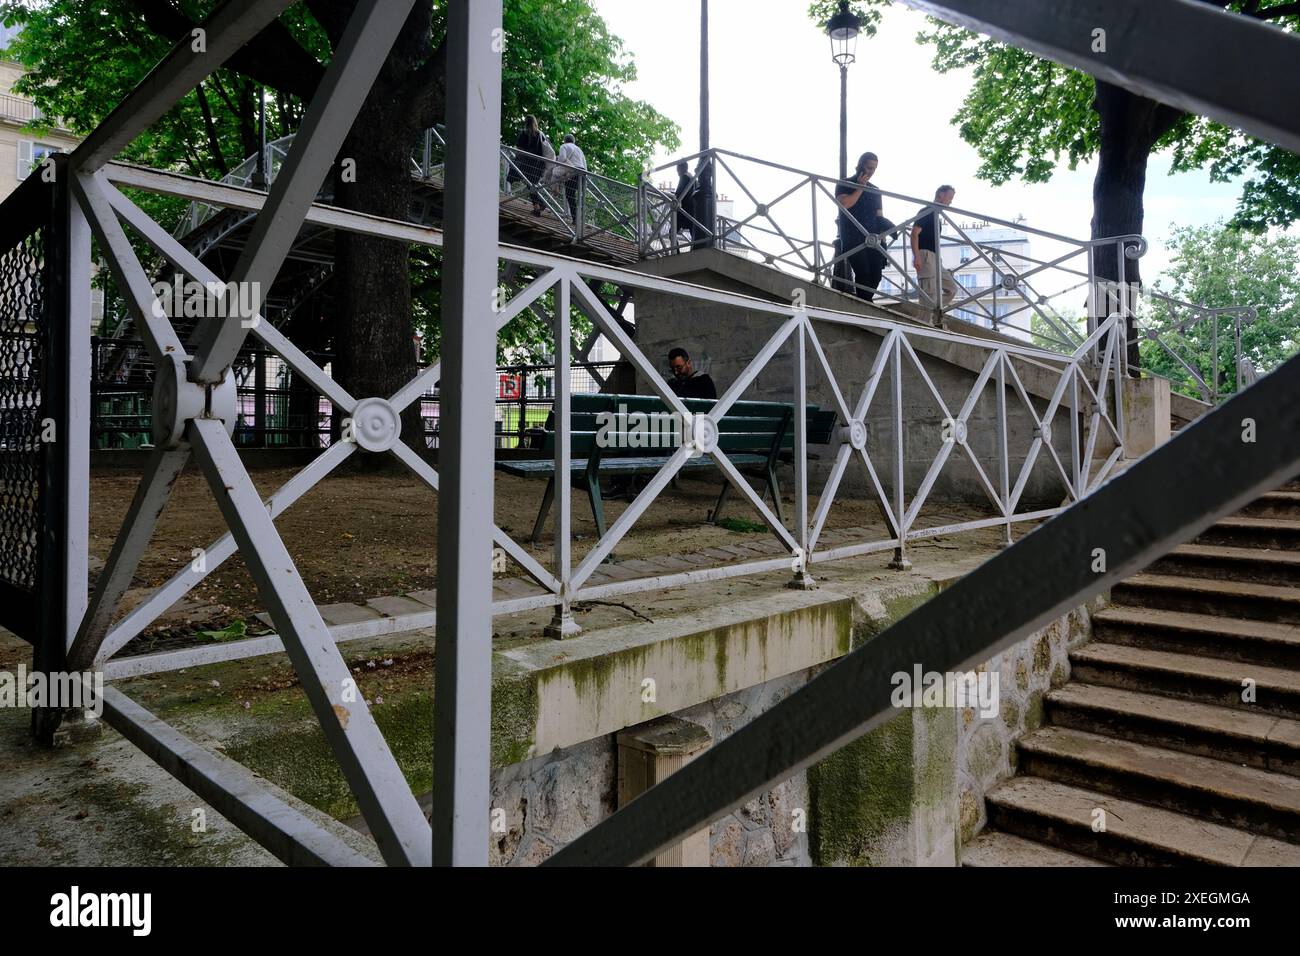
(1241, 797)
(1134, 834)
(1244, 532)
(993, 848)
(1262, 741)
(1251, 565)
(1275, 504)
(1268, 602)
(1209, 635)
(1209, 680)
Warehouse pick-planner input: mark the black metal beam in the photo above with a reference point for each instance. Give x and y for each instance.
(1185, 53)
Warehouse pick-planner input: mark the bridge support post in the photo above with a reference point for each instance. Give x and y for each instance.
(462, 724)
(65, 460)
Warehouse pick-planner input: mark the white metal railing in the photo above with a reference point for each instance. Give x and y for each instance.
(1202, 343)
(582, 203)
(1084, 388)
(796, 226)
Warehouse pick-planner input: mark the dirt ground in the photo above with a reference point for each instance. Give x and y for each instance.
(359, 535)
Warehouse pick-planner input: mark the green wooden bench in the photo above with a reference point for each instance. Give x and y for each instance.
(755, 436)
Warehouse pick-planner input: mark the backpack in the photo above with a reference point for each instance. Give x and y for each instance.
(548, 151)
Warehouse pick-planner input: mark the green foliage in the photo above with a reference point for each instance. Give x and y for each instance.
(1049, 335)
(741, 525)
(1222, 267)
(231, 632)
(84, 56)
(560, 63)
(868, 11)
(1025, 116)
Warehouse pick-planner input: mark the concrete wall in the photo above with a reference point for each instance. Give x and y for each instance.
(551, 800)
(986, 745)
(907, 794)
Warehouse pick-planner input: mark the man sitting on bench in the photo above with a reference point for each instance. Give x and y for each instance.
(686, 382)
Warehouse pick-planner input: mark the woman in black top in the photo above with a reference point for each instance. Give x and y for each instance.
(863, 206)
(529, 144)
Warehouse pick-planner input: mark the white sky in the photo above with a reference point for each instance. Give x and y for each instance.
(774, 94)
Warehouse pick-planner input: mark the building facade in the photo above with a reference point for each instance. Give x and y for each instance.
(1004, 250)
(21, 149)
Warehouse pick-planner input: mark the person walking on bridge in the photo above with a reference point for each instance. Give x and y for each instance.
(685, 205)
(572, 169)
(529, 150)
(926, 246)
(860, 206)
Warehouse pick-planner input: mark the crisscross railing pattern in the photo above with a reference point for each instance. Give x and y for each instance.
(554, 286)
(792, 220)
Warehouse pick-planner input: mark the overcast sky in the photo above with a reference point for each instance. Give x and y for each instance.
(774, 93)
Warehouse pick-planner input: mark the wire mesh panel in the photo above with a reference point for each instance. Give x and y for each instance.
(23, 314)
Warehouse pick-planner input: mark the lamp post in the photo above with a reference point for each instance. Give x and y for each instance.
(843, 30)
(706, 205)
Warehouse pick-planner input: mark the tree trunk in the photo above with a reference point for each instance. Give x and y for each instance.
(373, 345)
(1131, 126)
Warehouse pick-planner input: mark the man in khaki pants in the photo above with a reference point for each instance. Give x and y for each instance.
(925, 250)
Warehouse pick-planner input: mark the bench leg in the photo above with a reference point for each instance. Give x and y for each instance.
(776, 495)
(547, 497)
(597, 505)
(722, 500)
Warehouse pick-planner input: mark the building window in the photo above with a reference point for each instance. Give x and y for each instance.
(31, 155)
(968, 280)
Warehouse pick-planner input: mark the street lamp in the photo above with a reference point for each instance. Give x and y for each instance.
(843, 30)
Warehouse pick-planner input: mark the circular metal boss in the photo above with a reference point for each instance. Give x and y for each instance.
(376, 426)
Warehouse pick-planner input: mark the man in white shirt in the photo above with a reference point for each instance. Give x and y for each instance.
(570, 155)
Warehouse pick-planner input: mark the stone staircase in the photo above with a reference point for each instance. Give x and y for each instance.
(1151, 756)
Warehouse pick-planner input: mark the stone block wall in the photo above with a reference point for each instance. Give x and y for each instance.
(550, 800)
(986, 746)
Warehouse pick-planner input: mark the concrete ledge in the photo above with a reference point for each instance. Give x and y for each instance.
(599, 684)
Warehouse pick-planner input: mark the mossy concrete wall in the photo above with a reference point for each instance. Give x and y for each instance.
(986, 745)
(907, 794)
(889, 798)
(547, 801)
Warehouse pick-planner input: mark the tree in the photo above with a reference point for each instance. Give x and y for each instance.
(560, 62)
(1023, 114)
(1222, 267)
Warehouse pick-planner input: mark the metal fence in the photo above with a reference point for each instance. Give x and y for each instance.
(1076, 398)
(791, 219)
(588, 206)
(24, 326)
(278, 409)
